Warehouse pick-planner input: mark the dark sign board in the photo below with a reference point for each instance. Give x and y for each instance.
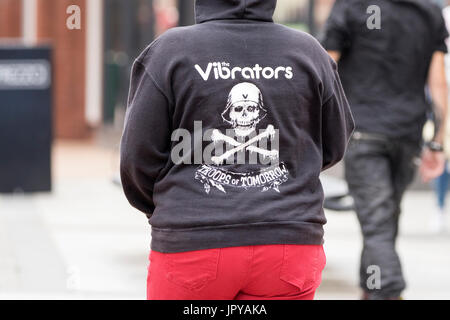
(25, 119)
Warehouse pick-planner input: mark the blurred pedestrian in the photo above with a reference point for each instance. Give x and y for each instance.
(388, 51)
(438, 220)
(223, 229)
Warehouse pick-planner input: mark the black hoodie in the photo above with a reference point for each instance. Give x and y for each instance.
(229, 125)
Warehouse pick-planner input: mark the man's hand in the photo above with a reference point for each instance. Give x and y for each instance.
(432, 166)
(335, 55)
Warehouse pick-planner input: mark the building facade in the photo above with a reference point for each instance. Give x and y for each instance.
(77, 56)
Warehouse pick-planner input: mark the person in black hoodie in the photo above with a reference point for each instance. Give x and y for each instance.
(229, 125)
(388, 51)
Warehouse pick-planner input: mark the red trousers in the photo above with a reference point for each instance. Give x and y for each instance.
(272, 272)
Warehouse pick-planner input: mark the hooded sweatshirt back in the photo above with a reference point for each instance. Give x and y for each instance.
(228, 127)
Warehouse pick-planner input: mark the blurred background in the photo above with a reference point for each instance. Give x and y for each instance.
(66, 230)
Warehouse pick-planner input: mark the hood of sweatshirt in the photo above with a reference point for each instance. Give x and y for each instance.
(260, 10)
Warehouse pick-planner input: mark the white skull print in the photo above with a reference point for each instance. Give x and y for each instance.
(245, 108)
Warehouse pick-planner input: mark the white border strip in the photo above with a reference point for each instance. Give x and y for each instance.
(29, 21)
(94, 62)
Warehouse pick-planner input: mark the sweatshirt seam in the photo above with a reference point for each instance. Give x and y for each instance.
(148, 73)
(249, 21)
(230, 226)
(331, 96)
(327, 100)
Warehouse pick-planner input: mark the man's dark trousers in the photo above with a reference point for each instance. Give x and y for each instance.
(378, 171)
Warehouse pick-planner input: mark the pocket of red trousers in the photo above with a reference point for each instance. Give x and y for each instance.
(193, 270)
(303, 265)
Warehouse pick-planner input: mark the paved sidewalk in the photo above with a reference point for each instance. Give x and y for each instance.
(425, 257)
(84, 241)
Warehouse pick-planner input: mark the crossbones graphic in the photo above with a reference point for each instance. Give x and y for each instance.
(244, 110)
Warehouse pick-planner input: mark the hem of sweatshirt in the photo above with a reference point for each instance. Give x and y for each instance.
(269, 233)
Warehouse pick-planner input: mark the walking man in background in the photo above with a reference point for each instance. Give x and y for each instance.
(387, 52)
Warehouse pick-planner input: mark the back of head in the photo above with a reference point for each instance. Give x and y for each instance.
(207, 10)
